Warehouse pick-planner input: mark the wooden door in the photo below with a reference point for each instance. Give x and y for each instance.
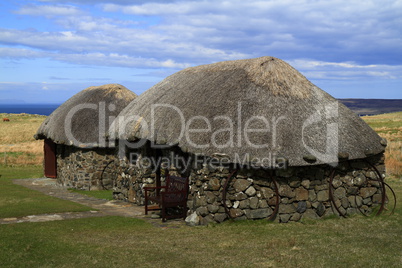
(50, 159)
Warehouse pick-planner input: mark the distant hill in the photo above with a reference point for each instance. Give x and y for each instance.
(373, 106)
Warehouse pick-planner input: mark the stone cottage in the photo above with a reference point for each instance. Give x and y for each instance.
(75, 145)
(256, 139)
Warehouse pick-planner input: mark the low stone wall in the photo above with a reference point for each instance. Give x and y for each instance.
(299, 192)
(303, 192)
(80, 168)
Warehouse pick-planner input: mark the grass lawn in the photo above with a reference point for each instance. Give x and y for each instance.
(18, 201)
(125, 242)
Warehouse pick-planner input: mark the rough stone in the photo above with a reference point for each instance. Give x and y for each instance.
(371, 175)
(340, 193)
(267, 193)
(306, 184)
(310, 214)
(235, 212)
(294, 183)
(336, 182)
(211, 197)
(214, 184)
(301, 207)
(193, 219)
(250, 191)
(200, 201)
(320, 209)
(296, 217)
(240, 196)
(367, 192)
(207, 220)
(286, 209)
(262, 203)
(244, 204)
(367, 201)
(213, 208)
(351, 211)
(258, 213)
(286, 191)
(355, 201)
(220, 217)
(312, 196)
(321, 187)
(236, 204)
(301, 194)
(359, 180)
(322, 195)
(284, 218)
(202, 211)
(352, 190)
(348, 180)
(254, 202)
(345, 202)
(241, 185)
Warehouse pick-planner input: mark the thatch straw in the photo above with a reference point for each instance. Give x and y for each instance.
(301, 120)
(91, 111)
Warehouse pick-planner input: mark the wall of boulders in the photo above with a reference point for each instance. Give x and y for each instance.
(82, 168)
(284, 195)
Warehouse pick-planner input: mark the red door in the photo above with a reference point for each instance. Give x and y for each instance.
(50, 159)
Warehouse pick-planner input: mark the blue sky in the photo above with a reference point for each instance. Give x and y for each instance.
(52, 49)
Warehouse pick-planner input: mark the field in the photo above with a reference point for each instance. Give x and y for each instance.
(357, 241)
(17, 145)
(389, 126)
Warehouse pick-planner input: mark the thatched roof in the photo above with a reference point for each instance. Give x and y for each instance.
(296, 120)
(88, 113)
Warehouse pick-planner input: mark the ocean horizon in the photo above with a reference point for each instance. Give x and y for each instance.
(29, 108)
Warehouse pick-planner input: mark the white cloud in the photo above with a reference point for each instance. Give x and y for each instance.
(49, 10)
(341, 39)
(346, 70)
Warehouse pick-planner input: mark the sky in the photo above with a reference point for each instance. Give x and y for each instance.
(52, 49)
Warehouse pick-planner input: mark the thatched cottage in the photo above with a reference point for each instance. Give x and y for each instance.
(75, 145)
(256, 139)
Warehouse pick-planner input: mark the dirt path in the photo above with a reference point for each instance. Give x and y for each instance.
(101, 207)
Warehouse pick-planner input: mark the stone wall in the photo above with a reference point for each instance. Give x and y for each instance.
(303, 192)
(80, 168)
(299, 192)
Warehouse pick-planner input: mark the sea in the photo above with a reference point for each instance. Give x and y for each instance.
(42, 109)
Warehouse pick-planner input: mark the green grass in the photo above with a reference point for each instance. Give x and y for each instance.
(126, 242)
(18, 201)
(391, 121)
(101, 194)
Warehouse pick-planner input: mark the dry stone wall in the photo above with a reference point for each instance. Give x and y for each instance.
(294, 194)
(80, 168)
(299, 192)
